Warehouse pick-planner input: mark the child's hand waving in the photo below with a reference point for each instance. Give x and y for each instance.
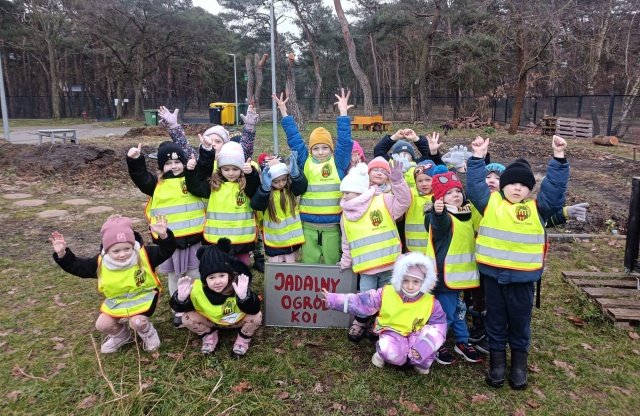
(343, 102)
(433, 142)
(480, 147)
(401, 161)
(397, 171)
(192, 162)
(134, 152)
(246, 167)
(169, 119)
(438, 206)
(58, 243)
(251, 119)
(558, 144)
(266, 179)
(184, 288)
(282, 104)
(160, 227)
(241, 287)
(206, 142)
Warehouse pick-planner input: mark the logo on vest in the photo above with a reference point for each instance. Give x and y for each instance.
(228, 308)
(139, 277)
(183, 186)
(416, 323)
(522, 212)
(326, 170)
(241, 199)
(375, 217)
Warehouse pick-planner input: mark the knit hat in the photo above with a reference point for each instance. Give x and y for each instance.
(231, 154)
(220, 131)
(443, 180)
(518, 172)
(117, 230)
(214, 260)
(380, 162)
(170, 151)
(266, 159)
(403, 146)
(278, 169)
(417, 265)
(358, 148)
(357, 180)
(320, 135)
(496, 168)
(426, 166)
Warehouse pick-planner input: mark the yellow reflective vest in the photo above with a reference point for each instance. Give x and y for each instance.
(287, 232)
(185, 212)
(128, 292)
(402, 317)
(460, 268)
(229, 215)
(227, 313)
(323, 192)
(511, 236)
(408, 176)
(373, 239)
(415, 233)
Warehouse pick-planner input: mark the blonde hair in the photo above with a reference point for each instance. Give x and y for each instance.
(217, 179)
(293, 202)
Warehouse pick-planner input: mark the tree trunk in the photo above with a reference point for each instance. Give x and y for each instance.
(396, 50)
(251, 80)
(375, 67)
(605, 140)
(293, 105)
(425, 66)
(259, 63)
(10, 86)
(120, 94)
(55, 86)
(520, 92)
(362, 78)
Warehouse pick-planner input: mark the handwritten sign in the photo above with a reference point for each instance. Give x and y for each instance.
(293, 295)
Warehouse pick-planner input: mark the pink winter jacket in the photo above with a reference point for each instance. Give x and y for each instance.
(397, 203)
(369, 303)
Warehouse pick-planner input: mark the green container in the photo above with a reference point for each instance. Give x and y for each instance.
(242, 109)
(151, 117)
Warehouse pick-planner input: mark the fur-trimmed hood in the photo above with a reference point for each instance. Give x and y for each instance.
(403, 262)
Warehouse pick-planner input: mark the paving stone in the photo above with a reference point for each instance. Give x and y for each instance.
(52, 213)
(16, 196)
(98, 210)
(77, 202)
(29, 203)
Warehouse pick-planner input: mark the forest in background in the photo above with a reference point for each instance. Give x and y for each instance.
(164, 50)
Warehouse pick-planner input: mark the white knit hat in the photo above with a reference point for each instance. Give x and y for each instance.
(357, 180)
(220, 131)
(278, 169)
(231, 154)
(417, 265)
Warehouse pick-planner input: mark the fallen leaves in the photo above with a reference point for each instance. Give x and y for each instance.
(519, 412)
(480, 398)
(568, 367)
(593, 268)
(577, 321)
(625, 391)
(57, 301)
(539, 394)
(534, 368)
(88, 402)
(13, 395)
(634, 335)
(410, 405)
(532, 404)
(241, 387)
(282, 395)
(587, 346)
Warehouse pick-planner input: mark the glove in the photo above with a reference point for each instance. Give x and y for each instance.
(184, 288)
(294, 170)
(399, 160)
(578, 211)
(456, 156)
(266, 179)
(251, 119)
(169, 119)
(397, 171)
(242, 286)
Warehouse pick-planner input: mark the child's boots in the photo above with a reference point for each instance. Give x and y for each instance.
(518, 379)
(241, 346)
(497, 369)
(150, 338)
(113, 342)
(209, 343)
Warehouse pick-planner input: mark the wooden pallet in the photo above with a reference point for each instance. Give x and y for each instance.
(574, 127)
(548, 125)
(617, 294)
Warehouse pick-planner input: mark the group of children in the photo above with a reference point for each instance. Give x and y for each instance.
(418, 239)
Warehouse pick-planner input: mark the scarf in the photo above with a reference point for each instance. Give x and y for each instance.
(355, 208)
(112, 264)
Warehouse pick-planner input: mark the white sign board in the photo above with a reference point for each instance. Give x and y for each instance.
(293, 295)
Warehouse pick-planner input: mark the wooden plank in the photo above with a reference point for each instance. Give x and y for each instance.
(620, 314)
(609, 283)
(600, 274)
(618, 303)
(596, 292)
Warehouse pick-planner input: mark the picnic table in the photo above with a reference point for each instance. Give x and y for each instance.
(368, 123)
(58, 134)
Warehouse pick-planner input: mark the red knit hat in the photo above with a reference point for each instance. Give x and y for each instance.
(442, 182)
(117, 230)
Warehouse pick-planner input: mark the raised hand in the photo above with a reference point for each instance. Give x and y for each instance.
(242, 286)
(266, 179)
(281, 103)
(58, 243)
(438, 206)
(325, 292)
(206, 142)
(294, 170)
(135, 152)
(397, 171)
(246, 167)
(433, 142)
(480, 146)
(169, 119)
(184, 288)
(401, 161)
(251, 119)
(399, 135)
(456, 156)
(192, 162)
(559, 145)
(578, 211)
(161, 226)
(410, 135)
(343, 102)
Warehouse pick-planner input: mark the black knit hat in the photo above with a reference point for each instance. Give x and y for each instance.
(170, 151)
(518, 172)
(213, 260)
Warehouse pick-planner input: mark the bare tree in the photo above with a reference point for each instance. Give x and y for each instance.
(292, 104)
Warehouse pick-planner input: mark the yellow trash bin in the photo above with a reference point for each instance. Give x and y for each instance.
(228, 115)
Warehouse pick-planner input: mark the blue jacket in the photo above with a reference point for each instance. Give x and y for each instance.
(342, 155)
(550, 200)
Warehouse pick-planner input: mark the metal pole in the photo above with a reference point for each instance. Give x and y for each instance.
(3, 102)
(235, 82)
(273, 83)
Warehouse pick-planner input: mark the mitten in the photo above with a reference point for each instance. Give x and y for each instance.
(294, 170)
(169, 119)
(578, 211)
(403, 161)
(242, 286)
(266, 179)
(397, 171)
(184, 288)
(456, 156)
(251, 119)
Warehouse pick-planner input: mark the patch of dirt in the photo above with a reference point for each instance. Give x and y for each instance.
(152, 131)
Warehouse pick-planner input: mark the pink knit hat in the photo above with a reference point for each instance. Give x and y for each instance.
(358, 148)
(380, 162)
(117, 230)
(231, 154)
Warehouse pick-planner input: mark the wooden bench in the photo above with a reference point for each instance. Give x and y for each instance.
(368, 123)
(58, 134)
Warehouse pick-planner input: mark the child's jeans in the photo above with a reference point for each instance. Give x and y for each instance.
(202, 326)
(321, 242)
(455, 311)
(395, 349)
(509, 310)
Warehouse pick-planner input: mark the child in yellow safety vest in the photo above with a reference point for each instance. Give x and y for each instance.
(185, 212)
(411, 323)
(370, 241)
(451, 247)
(229, 191)
(277, 200)
(379, 171)
(220, 299)
(415, 232)
(324, 169)
(125, 270)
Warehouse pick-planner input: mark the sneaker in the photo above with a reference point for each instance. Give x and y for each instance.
(444, 357)
(177, 320)
(377, 360)
(356, 331)
(421, 370)
(113, 342)
(468, 352)
(150, 339)
(482, 346)
(241, 346)
(476, 333)
(209, 343)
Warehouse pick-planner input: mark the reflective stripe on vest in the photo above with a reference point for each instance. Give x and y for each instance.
(408, 176)
(460, 268)
(511, 236)
(323, 192)
(229, 215)
(415, 234)
(227, 313)
(402, 317)
(286, 233)
(185, 212)
(128, 292)
(373, 239)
